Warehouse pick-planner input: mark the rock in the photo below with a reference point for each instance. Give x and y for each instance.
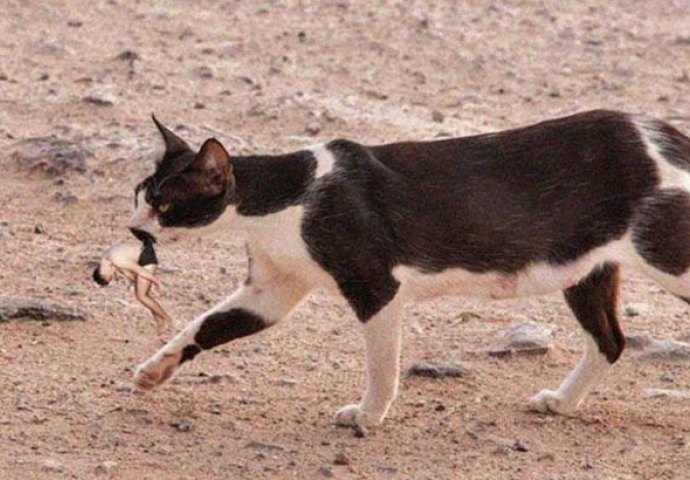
(38, 229)
(107, 468)
(341, 459)
(528, 337)
(667, 377)
(51, 156)
(668, 349)
(313, 128)
(518, 446)
(181, 426)
(264, 446)
(204, 72)
(436, 370)
(438, 116)
(326, 472)
(52, 466)
(632, 311)
(128, 56)
(102, 98)
(665, 393)
(30, 309)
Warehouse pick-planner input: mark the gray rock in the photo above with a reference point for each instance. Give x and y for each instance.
(528, 337)
(632, 311)
(107, 468)
(666, 393)
(50, 156)
(52, 466)
(102, 98)
(30, 309)
(436, 370)
(654, 348)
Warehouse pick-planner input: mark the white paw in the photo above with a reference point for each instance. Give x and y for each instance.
(156, 370)
(353, 415)
(549, 401)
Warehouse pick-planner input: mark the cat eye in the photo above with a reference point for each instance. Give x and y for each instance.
(164, 207)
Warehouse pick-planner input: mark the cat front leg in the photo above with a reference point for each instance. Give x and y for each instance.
(267, 297)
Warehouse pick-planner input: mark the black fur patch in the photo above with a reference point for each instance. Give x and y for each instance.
(189, 352)
(348, 232)
(662, 231)
(268, 184)
(594, 301)
(498, 202)
(223, 327)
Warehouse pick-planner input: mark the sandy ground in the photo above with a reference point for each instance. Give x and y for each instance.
(270, 76)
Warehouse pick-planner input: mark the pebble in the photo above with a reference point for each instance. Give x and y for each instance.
(654, 348)
(518, 446)
(101, 98)
(632, 311)
(438, 116)
(437, 370)
(48, 465)
(341, 459)
(181, 426)
(204, 72)
(313, 128)
(665, 393)
(526, 337)
(108, 467)
(326, 472)
(51, 156)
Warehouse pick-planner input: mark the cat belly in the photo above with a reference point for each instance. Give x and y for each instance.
(535, 279)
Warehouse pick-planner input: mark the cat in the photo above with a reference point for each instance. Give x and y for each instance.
(560, 205)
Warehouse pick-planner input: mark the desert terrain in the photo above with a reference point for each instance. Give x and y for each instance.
(79, 80)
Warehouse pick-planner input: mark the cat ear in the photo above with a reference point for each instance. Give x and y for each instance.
(214, 161)
(174, 145)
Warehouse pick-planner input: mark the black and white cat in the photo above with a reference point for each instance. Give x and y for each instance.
(561, 205)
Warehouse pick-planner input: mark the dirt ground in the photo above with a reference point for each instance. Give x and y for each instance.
(269, 76)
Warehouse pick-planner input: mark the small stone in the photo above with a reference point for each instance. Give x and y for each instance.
(75, 23)
(326, 472)
(50, 156)
(181, 426)
(438, 116)
(287, 382)
(204, 72)
(653, 348)
(664, 393)
(526, 337)
(632, 311)
(199, 106)
(313, 128)
(101, 98)
(518, 446)
(667, 377)
(53, 466)
(341, 459)
(128, 56)
(437, 370)
(108, 467)
(38, 229)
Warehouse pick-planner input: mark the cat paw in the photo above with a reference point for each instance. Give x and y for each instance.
(156, 370)
(353, 415)
(548, 401)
